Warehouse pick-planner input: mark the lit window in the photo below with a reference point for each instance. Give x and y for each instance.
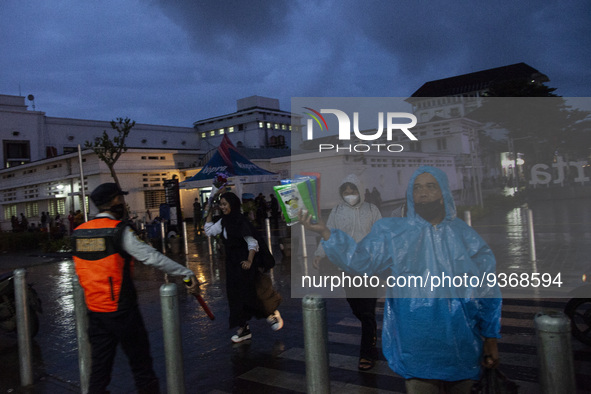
(231, 129)
(221, 131)
(283, 127)
(268, 125)
(31, 209)
(212, 133)
(203, 135)
(276, 126)
(261, 125)
(9, 211)
(57, 206)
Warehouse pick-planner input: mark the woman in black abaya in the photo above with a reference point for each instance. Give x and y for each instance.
(245, 281)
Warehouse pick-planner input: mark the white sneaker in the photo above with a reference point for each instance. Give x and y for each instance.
(242, 334)
(275, 321)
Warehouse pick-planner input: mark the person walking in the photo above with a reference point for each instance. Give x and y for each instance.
(104, 251)
(197, 214)
(436, 340)
(250, 293)
(356, 217)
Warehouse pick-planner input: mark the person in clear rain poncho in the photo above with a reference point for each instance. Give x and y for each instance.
(433, 336)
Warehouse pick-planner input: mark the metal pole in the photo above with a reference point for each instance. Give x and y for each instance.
(82, 184)
(316, 344)
(304, 247)
(304, 251)
(173, 351)
(84, 351)
(530, 231)
(557, 373)
(468, 218)
(515, 169)
(163, 237)
(268, 227)
(186, 240)
(209, 246)
(25, 353)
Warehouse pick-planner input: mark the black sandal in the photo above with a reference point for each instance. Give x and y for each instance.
(365, 364)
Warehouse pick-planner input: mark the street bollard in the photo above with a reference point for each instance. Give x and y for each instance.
(530, 231)
(468, 218)
(25, 352)
(173, 351)
(84, 352)
(316, 344)
(557, 373)
(268, 227)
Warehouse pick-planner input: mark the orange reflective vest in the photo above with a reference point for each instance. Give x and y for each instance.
(103, 268)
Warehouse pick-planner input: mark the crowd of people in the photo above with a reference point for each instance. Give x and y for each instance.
(56, 225)
(435, 342)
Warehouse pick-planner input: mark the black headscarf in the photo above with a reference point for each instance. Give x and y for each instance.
(235, 223)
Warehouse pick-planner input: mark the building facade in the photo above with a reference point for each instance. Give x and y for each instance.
(443, 109)
(257, 123)
(40, 169)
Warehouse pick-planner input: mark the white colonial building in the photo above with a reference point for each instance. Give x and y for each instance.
(40, 169)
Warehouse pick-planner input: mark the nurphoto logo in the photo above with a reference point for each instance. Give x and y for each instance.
(391, 119)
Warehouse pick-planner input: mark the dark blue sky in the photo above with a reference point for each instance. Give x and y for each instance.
(174, 64)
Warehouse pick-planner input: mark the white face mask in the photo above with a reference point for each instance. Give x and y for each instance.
(351, 199)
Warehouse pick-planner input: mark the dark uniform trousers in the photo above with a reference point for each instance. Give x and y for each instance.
(106, 330)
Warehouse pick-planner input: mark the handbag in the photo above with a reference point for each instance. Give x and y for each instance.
(263, 258)
(494, 381)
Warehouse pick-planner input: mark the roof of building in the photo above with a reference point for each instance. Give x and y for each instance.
(478, 80)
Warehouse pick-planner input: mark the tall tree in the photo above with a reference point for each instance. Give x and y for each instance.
(540, 122)
(109, 151)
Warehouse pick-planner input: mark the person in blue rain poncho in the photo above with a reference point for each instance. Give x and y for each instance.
(434, 338)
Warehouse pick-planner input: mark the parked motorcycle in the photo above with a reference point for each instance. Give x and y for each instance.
(8, 305)
(578, 310)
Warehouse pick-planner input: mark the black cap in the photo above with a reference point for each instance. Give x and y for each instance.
(105, 193)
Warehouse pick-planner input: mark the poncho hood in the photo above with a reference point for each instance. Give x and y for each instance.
(448, 200)
(354, 179)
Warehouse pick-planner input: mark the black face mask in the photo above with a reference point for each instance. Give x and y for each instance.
(118, 210)
(430, 210)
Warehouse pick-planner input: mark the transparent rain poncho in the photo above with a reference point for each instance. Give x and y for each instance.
(427, 333)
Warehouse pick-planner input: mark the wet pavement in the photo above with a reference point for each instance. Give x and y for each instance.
(274, 361)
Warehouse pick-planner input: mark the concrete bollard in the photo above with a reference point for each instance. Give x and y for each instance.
(530, 232)
(316, 344)
(557, 374)
(84, 351)
(25, 348)
(468, 218)
(173, 351)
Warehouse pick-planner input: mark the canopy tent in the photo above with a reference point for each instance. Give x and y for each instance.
(228, 160)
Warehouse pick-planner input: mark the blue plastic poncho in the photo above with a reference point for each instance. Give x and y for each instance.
(437, 335)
